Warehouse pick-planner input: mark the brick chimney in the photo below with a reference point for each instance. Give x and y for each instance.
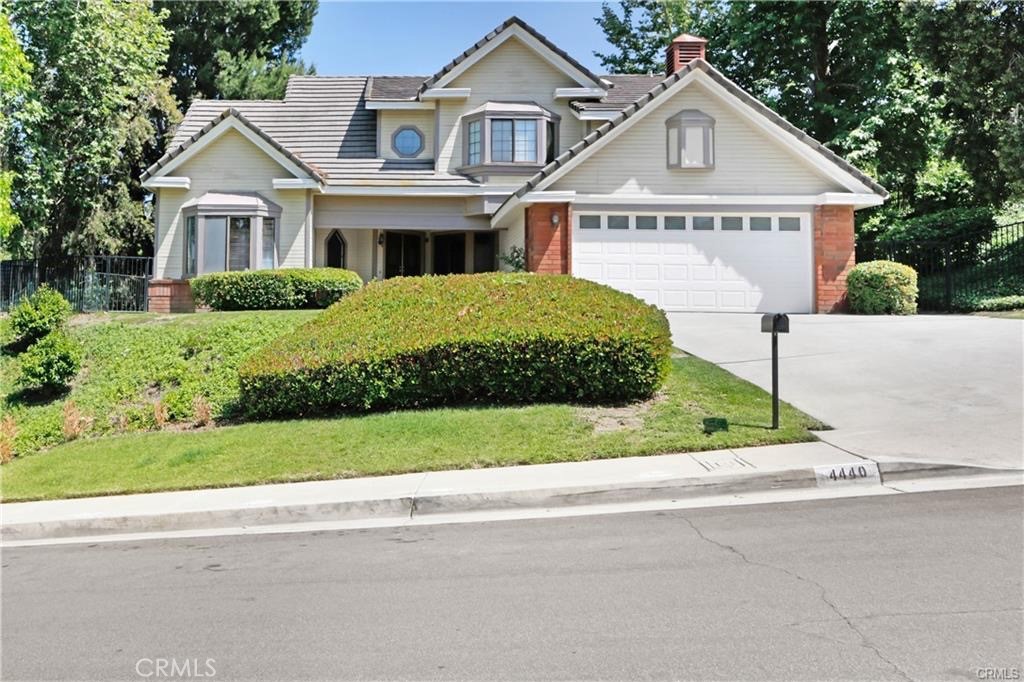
(683, 50)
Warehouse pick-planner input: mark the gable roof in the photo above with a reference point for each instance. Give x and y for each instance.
(323, 123)
(180, 152)
(626, 89)
(571, 157)
(453, 66)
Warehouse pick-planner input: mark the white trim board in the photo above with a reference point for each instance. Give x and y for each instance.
(537, 46)
(394, 105)
(168, 183)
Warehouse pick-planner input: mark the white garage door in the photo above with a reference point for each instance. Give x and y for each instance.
(730, 262)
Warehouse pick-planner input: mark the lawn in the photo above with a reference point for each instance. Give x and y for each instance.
(405, 441)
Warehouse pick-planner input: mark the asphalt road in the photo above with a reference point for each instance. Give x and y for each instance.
(923, 586)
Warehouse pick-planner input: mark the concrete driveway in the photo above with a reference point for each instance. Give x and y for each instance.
(930, 387)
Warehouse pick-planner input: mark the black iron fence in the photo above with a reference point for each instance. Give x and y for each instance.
(90, 283)
(954, 274)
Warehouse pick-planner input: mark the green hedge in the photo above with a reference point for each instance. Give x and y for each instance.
(502, 338)
(51, 362)
(274, 289)
(882, 287)
(35, 316)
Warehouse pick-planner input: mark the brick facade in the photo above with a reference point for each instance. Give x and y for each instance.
(170, 296)
(833, 256)
(548, 246)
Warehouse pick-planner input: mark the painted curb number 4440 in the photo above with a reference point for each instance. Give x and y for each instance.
(841, 474)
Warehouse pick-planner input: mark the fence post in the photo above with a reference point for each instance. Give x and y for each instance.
(948, 275)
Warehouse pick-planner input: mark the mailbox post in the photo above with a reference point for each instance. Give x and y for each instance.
(775, 324)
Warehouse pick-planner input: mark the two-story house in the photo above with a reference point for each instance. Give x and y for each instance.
(679, 187)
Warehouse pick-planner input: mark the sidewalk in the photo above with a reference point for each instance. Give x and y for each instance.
(609, 481)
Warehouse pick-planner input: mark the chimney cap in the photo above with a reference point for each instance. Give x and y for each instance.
(688, 38)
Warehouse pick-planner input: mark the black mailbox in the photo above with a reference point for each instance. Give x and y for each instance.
(775, 323)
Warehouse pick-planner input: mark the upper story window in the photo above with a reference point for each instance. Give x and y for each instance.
(407, 141)
(690, 139)
(509, 134)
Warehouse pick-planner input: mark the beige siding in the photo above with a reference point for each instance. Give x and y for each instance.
(515, 235)
(746, 160)
(447, 213)
(511, 72)
(229, 164)
(358, 250)
(390, 121)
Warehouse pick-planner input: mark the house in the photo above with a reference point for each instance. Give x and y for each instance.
(680, 188)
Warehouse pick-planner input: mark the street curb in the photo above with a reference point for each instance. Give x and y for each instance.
(407, 507)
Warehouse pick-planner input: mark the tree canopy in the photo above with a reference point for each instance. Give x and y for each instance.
(922, 96)
(78, 158)
(232, 44)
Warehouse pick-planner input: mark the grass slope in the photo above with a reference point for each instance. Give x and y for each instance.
(405, 441)
(134, 360)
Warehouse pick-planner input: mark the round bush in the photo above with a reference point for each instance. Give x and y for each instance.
(882, 287)
(51, 362)
(274, 289)
(498, 338)
(37, 315)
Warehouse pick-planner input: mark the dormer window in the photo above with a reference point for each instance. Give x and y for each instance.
(690, 139)
(508, 135)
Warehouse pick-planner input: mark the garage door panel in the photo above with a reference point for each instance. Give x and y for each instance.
(680, 270)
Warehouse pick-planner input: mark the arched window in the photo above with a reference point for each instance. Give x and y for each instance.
(336, 249)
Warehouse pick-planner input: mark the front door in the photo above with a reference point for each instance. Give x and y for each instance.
(403, 255)
(449, 254)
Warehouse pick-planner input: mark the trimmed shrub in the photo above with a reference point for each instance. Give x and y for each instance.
(43, 312)
(882, 287)
(496, 338)
(274, 289)
(51, 362)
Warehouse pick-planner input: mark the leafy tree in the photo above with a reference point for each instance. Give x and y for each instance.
(246, 31)
(640, 30)
(96, 78)
(15, 90)
(255, 77)
(978, 46)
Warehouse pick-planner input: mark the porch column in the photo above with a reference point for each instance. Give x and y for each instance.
(549, 238)
(833, 256)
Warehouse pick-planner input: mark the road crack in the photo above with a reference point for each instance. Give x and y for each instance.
(822, 594)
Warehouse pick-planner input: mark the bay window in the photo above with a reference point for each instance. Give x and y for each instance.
(502, 137)
(230, 232)
(690, 139)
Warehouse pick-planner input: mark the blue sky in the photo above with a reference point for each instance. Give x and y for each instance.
(418, 38)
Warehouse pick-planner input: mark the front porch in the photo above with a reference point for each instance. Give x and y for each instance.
(379, 253)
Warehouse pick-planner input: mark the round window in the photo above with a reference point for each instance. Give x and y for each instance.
(407, 142)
